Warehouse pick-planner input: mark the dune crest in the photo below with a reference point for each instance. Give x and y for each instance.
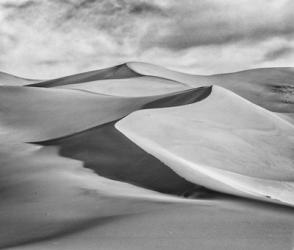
(81, 152)
(212, 141)
(11, 80)
(117, 72)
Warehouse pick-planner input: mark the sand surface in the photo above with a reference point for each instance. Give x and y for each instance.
(141, 157)
(232, 224)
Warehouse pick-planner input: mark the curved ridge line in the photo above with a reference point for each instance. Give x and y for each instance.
(147, 145)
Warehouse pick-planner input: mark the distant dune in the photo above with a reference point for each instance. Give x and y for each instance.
(82, 152)
(116, 72)
(11, 80)
(271, 88)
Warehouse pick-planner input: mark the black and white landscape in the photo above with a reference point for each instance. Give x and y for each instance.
(160, 151)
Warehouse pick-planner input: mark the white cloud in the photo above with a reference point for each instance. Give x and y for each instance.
(50, 38)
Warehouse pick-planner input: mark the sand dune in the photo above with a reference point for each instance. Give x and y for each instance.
(116, 72)
(104, 159)
(218, 149)
(36, 114)
(270, 88)
(11, 80)
(46, 196)
(110, 154)
(227, 224)
(131, 87)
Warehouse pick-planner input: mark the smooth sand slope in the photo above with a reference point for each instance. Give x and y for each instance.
(11, 80)
(117, 72)
(37, 114)
(224, 225)
(224, 143)
(270, 88)
(110, 154)
(45, 196)
(85, 157)
(131, 87)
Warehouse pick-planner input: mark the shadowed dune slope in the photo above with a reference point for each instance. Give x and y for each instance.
(112, 155)
(74, 162)
(270, 88)
(117, 72)
(46, 196)
(224, 143)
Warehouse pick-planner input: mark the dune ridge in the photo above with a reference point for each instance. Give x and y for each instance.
(270, 88)
(117, 72)
(176, 146)
(110, 154)
(12, 80)
(134, 141)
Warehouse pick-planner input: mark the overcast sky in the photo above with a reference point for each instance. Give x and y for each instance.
(50, 38)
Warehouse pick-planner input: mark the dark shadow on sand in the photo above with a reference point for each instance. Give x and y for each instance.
(112, 155)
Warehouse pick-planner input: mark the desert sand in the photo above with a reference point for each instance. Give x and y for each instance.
(137, 156)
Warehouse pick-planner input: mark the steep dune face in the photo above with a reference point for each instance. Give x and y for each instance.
(116, 72)
(112, 155)
(270, 88)
(44, 195)
(11, 80)
(84, 150)
(224, 143)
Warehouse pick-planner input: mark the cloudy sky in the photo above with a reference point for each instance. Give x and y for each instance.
(50, 38)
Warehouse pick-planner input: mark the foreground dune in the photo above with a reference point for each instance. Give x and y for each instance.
(107, 159)
(226, 224)
(250, 154)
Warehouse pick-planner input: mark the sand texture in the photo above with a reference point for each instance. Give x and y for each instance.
(137, 156)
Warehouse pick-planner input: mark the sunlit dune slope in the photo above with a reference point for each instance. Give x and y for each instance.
(224, 143)
(11, 80)
(35, 114)
(136, 86)
(82, 151)
(112, 155)
(46, 196)
(271, 88)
